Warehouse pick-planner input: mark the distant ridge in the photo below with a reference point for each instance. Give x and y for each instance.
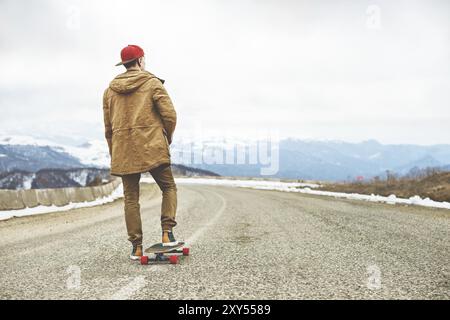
(331, 160)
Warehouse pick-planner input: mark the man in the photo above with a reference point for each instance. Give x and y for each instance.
(139, 124)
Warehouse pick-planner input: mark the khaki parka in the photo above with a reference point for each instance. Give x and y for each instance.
(139, 122)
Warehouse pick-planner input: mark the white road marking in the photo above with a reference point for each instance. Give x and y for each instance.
(138, 283)
(130, 289)
(198, 233)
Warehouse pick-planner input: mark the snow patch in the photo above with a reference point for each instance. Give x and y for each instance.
(392, 199)
(79, 178)
(95, 153)
(28, 180)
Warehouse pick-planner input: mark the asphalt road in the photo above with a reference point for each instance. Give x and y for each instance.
(245, 244)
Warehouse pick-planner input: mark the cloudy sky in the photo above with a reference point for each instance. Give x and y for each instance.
(337, 70)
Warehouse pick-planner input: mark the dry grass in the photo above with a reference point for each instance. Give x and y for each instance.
(430, 184)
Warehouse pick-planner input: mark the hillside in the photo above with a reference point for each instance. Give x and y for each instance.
(53, 178)
(435, 186)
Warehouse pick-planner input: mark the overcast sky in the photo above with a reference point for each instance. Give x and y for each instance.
(338, 70)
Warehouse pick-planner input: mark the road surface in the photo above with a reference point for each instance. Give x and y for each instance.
(245, 244)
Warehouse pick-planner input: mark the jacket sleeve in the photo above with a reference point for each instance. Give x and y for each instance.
(164, 105)
(107, 121)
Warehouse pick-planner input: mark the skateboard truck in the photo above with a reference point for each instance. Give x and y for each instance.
(164, 255)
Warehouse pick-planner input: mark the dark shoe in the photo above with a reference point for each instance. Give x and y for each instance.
(136, 254)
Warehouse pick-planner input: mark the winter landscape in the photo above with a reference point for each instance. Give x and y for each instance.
(298, 151)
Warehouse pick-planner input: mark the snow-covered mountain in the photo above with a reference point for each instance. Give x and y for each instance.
(308, 159)
(294, 158)
(93, 153)
(27, 162)
(32, 158)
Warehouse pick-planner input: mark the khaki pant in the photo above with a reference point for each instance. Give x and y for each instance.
(164, 178)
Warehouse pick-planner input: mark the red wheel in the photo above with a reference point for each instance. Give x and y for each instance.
(185, 251)
(144, 260)
(173, 259)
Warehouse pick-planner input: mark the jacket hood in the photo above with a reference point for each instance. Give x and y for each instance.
(130, 81)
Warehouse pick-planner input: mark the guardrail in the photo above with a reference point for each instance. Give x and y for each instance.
(21, 199)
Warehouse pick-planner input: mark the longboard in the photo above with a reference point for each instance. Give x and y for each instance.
(159, 248)
(160, 252)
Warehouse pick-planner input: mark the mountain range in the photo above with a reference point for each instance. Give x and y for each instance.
(294, 158)
(318, 160)
(30, 163)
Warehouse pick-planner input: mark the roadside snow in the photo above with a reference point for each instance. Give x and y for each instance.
(116, 194)
(308, 189)
(258, 184)
(252, 184)
(392, 199)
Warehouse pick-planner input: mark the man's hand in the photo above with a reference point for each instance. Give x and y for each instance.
(168, 138)
(165, 108)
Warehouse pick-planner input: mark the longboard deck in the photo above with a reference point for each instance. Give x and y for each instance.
(159, 248)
